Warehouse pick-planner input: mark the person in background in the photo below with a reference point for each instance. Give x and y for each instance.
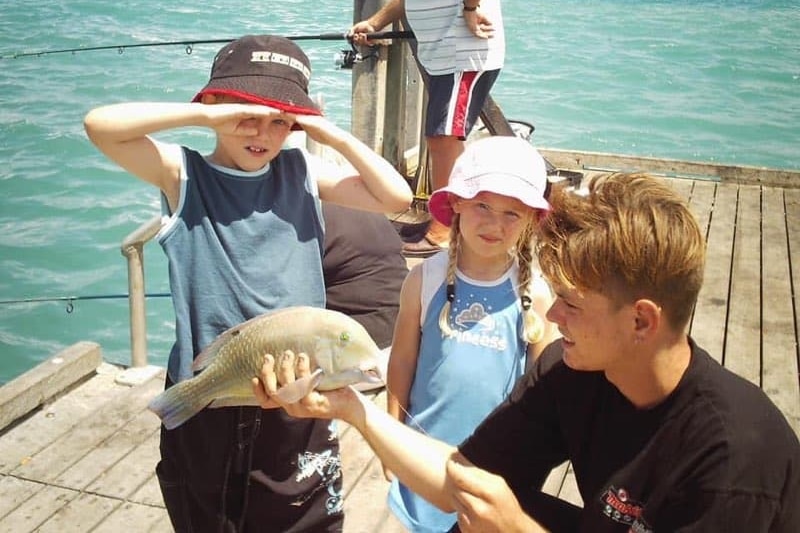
(471, 317)
(243, 235)
(460, 49)
(661, 437)
(364, 268)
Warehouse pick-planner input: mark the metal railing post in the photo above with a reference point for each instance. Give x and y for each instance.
(133, 249)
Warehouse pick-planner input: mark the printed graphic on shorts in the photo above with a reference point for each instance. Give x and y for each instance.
(328, 467)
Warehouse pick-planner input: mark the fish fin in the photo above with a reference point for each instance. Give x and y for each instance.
(299, 389)
(234, 401)
(172, 406)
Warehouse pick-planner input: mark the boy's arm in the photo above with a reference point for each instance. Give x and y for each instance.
(377, 186)
(122, 133)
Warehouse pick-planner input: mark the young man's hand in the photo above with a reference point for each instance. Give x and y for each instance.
(341, 403)
(484, 502)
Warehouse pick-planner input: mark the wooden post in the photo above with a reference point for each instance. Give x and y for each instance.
(404, 90)
(369, 87)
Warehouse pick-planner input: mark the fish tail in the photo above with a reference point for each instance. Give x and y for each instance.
(176, 405)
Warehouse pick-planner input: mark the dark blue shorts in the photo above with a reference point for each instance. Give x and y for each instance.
(455, 101)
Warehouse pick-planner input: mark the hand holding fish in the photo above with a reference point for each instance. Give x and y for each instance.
(343, 403)
(339, 349)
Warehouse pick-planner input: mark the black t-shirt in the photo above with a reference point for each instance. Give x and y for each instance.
(716, 455)
(364, 268)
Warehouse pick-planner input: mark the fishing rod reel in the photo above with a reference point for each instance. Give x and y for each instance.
(345, 59)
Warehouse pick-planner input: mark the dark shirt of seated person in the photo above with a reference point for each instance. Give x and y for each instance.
(363, 268)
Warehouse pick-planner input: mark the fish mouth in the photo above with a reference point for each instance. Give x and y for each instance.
(371, 375)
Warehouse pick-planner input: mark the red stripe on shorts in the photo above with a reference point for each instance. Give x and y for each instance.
(463, 97)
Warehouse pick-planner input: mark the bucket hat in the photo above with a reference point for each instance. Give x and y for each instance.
(509, 166)
(263, 69)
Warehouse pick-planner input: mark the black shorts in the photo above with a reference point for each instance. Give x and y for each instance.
(246, 469)
(455, 101)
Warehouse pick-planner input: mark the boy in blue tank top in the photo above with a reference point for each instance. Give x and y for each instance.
(243, 234)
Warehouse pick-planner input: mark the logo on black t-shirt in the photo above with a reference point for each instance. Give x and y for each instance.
(618, 506)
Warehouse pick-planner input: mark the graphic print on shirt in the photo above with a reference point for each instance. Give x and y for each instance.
(476, 326)
(618, 506)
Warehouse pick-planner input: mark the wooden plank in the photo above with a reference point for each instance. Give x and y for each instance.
(22, 442)
(130, 474)
(705, 171)
(366, 510)
(96, 428)
(743, 334)
(136, 517)
(779, 344)
(37, 509)
(47, 380)
(711, 310)
(150, 492)
(81, 514)
(102, 457)
(682, 187)
(701, 203)
(15, 491)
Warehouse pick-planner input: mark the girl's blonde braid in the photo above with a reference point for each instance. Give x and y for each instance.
(532, 323)
(444, 316)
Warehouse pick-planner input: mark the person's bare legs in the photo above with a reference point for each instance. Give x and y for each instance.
(443, 150)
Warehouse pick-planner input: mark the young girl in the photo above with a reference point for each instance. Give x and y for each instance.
(470, 317)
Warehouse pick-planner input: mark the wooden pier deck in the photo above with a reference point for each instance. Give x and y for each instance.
(84, 461)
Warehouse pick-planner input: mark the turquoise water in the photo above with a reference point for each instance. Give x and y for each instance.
(708, 81)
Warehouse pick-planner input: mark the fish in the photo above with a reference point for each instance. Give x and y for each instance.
(340, 350)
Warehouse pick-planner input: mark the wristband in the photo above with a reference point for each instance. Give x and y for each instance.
(467, 8)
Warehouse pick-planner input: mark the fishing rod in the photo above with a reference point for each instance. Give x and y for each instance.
(189, 44)
(71, 299)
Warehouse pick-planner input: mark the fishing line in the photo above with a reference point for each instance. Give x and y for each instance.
(189, 44)
(71, 299)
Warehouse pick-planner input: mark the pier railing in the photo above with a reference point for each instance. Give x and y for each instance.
(133, 250)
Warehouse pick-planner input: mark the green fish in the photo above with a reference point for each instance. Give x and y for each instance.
(340, 349)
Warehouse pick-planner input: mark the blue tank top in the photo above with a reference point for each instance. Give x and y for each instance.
(238, 245)
(460, 379)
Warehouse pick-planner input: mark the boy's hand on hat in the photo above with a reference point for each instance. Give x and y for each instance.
(319, 128)
(241, 119)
